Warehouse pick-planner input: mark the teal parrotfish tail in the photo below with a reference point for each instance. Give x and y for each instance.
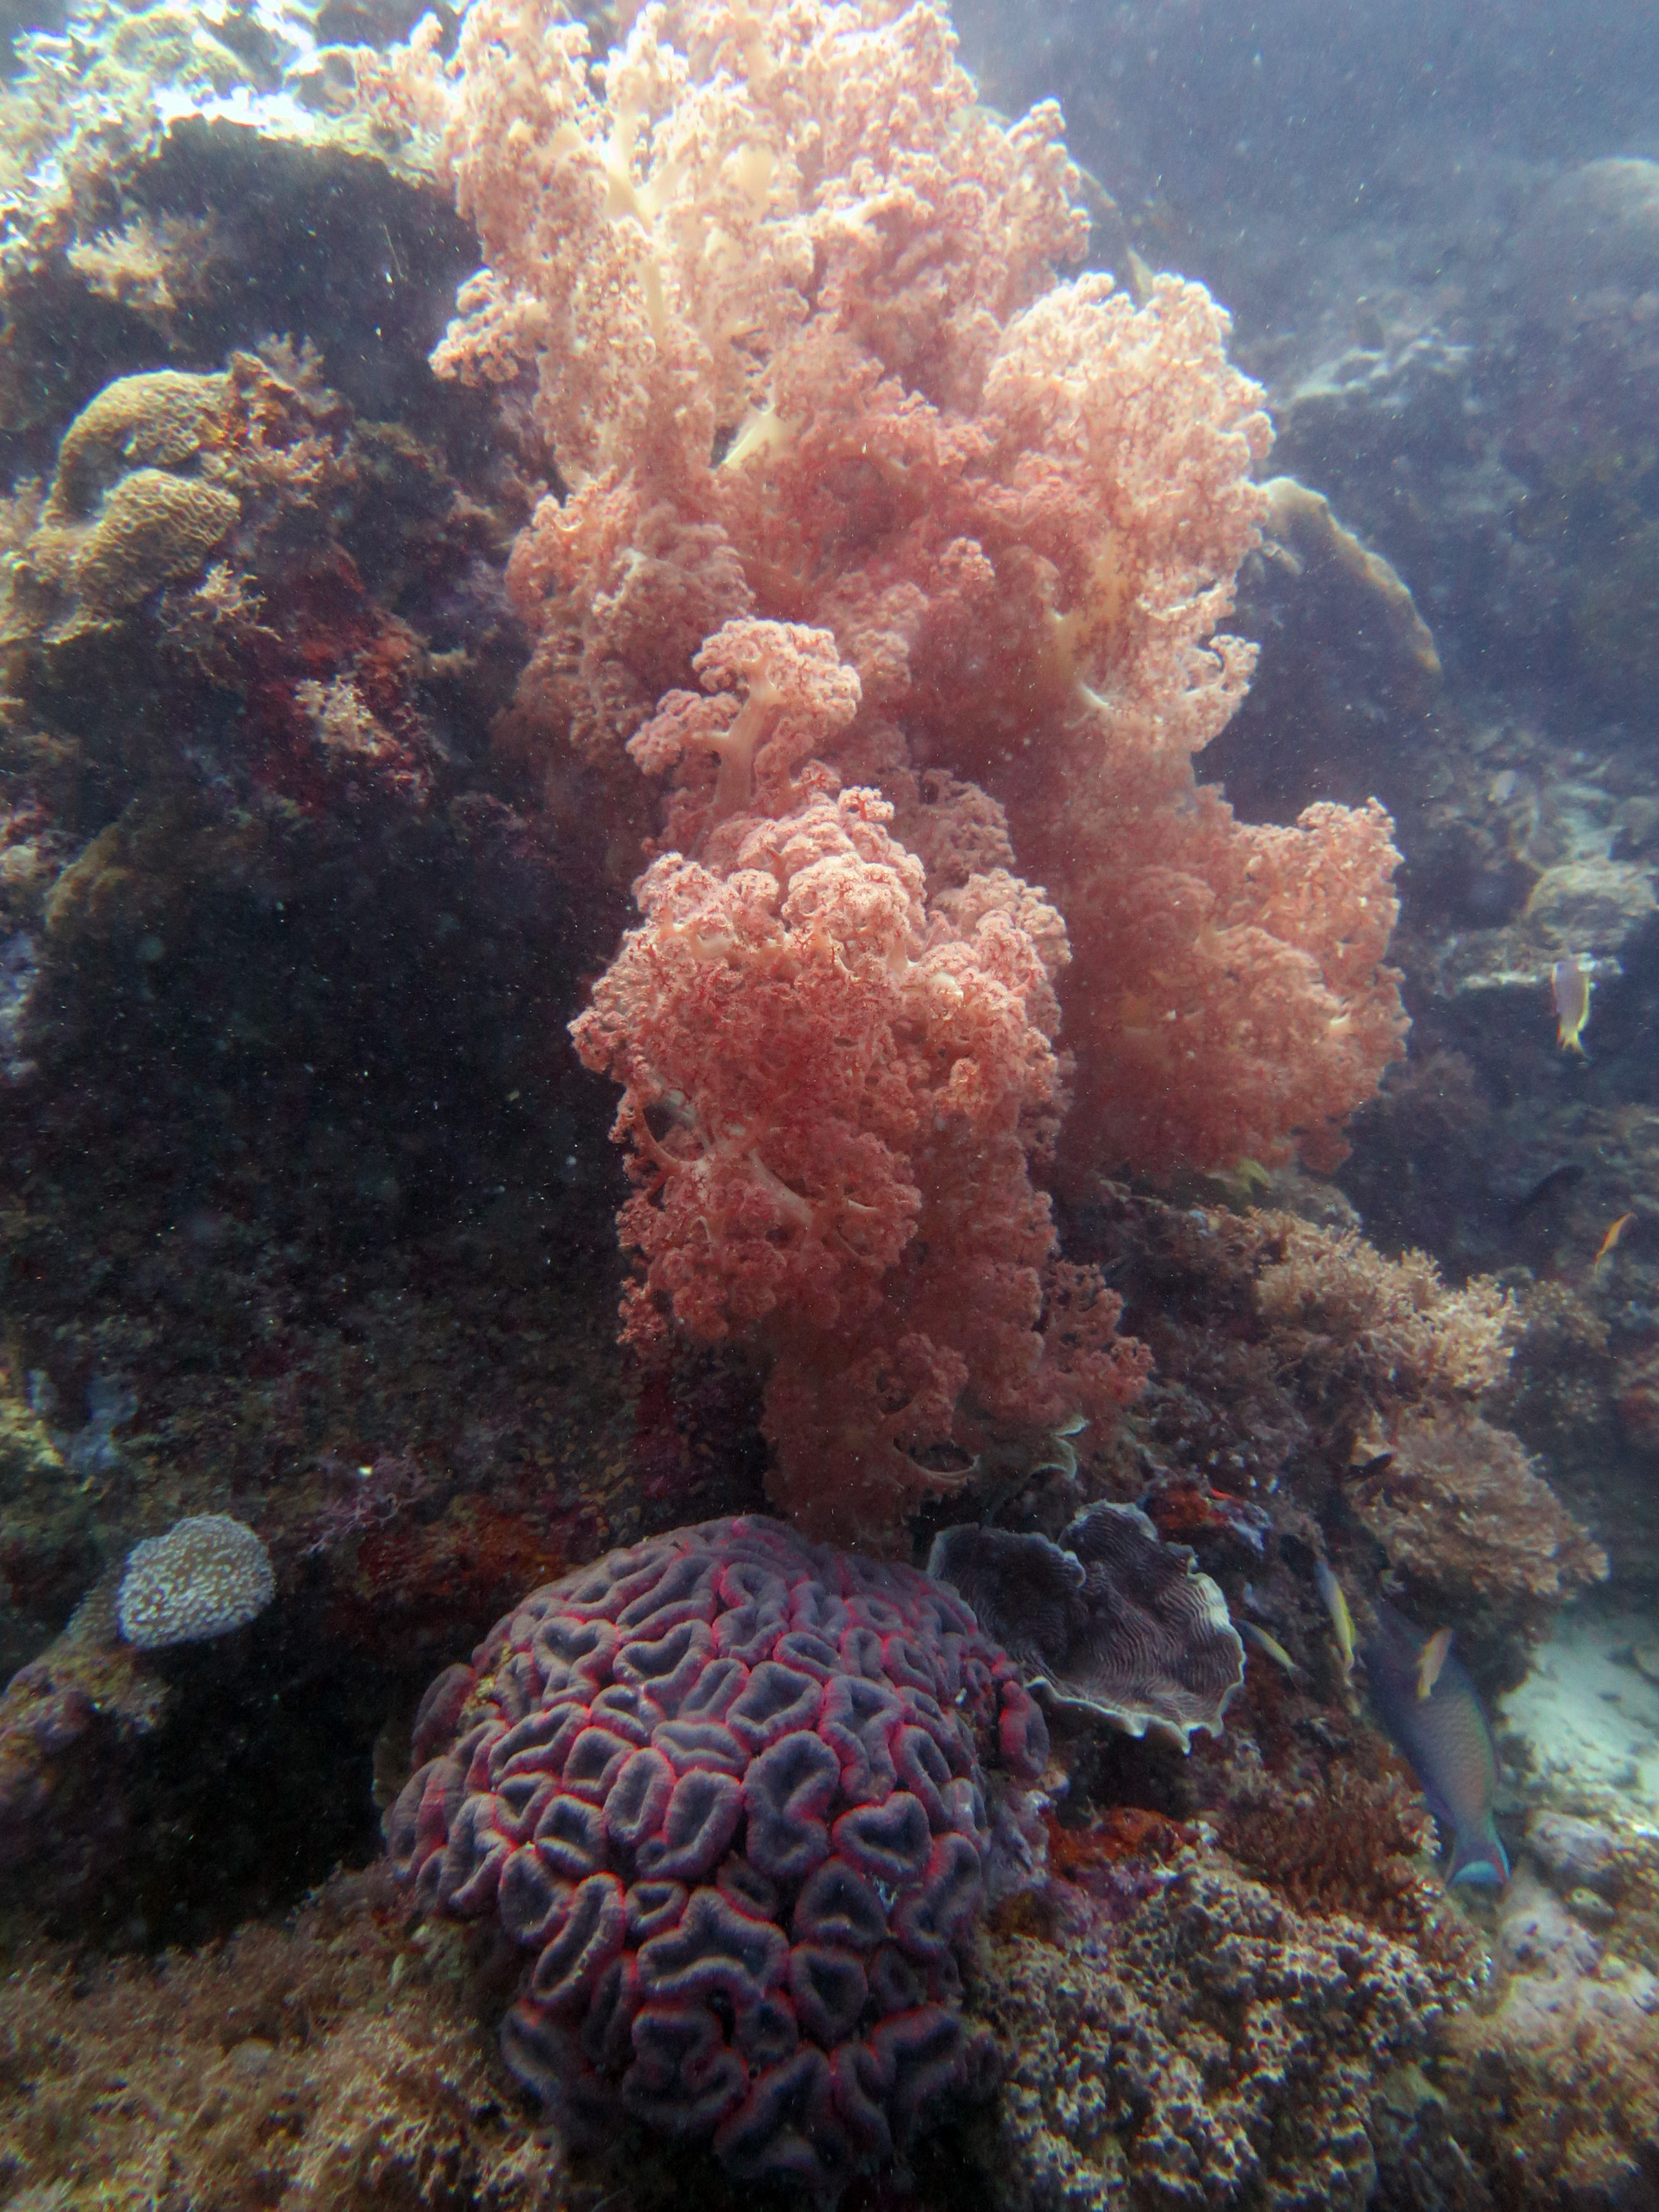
(1446, 1739)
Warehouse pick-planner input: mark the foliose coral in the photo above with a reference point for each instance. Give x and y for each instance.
(1109, 1620)
(207, 1574)
(723, 1792)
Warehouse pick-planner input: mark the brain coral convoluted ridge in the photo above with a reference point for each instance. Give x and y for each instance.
(724, 1789)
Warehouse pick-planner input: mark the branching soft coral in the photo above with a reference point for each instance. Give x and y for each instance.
(809, 365)
(803, 353)
(1229, 992)
(830, 1092)
(779, 1023)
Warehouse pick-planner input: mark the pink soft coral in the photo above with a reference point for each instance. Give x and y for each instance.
(775, 1019)
(863, 496)
(1235, 995)
(829, 1095)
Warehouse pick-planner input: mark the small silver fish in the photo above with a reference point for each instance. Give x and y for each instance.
(1270, 1644)
(1336, 1605)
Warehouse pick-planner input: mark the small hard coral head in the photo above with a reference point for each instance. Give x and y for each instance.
(207, 1574)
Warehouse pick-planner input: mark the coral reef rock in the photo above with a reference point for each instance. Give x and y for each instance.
(1217, 2050)
(328, 2063)
(1463, 1517)
(1556, 2085)
(721, 1791)
(1110, 1621)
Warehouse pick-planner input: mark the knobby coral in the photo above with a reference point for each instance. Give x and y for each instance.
(723, 1793)
(840, 445)
(1218, 2050)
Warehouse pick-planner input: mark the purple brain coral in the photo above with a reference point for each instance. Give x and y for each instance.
(724, 1791)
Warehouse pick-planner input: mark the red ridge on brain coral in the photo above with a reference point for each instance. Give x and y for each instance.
(724, 1793)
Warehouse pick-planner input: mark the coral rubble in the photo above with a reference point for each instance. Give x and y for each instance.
(1554, 2082)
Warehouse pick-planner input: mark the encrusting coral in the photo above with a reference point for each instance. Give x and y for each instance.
(839, 443)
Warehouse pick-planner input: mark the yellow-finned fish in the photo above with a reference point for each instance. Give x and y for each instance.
(1430, 1661)
(1615, 1232)
(1270, 1644)
(1570, 985)
(1336, 1605)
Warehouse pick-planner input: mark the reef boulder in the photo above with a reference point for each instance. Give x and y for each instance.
(724, 1792)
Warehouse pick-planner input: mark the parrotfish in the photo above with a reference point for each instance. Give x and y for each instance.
(1445, 1737)
(1570, 990)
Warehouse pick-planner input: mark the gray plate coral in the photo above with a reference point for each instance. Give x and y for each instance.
(1108, 1621)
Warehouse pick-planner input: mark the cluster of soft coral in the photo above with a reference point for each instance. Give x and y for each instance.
(833, 1088)
(837, 440)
